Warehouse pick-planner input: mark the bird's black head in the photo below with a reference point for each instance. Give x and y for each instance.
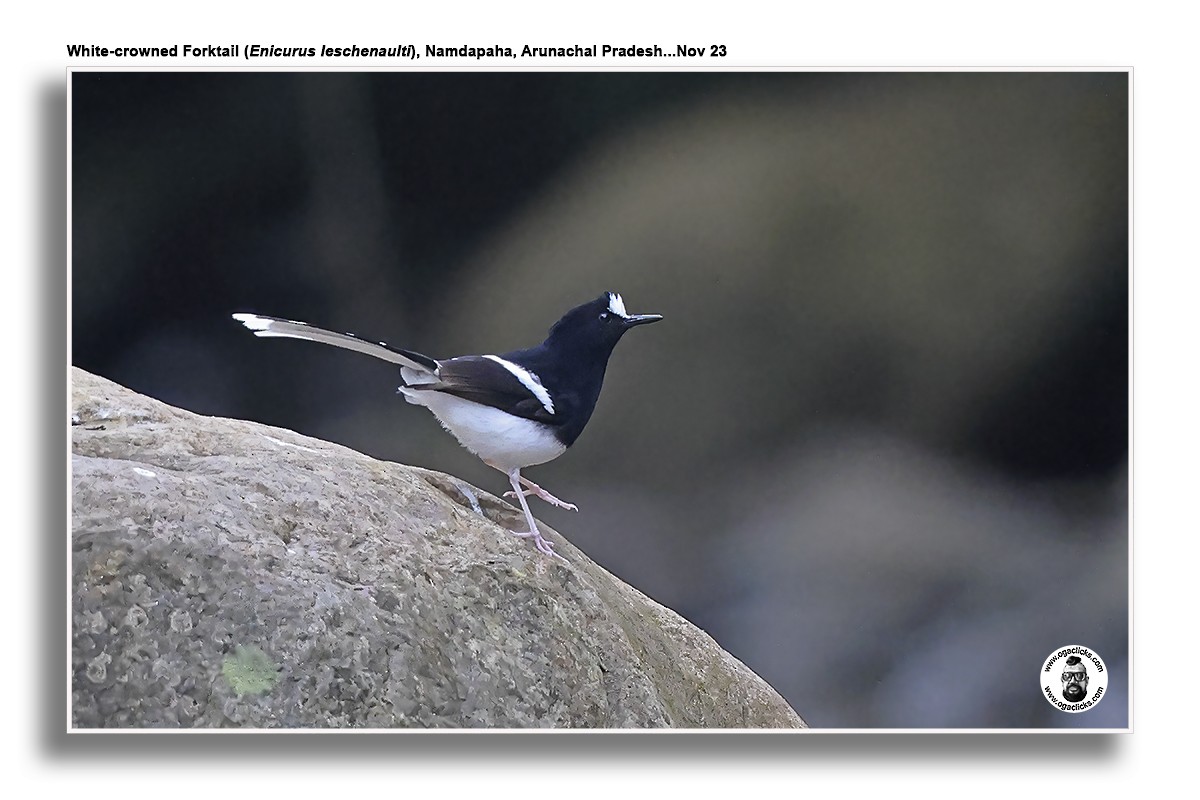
(596, 324)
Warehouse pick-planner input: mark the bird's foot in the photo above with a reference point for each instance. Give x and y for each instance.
(538, 491)
(543, 545)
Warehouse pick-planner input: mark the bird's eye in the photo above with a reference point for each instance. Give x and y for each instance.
(603, 315)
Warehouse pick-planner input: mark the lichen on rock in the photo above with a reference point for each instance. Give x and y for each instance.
(229, 574)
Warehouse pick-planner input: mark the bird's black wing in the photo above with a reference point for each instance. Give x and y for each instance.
(496, 382)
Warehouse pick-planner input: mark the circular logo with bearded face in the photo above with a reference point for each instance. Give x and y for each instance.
(1073, 679)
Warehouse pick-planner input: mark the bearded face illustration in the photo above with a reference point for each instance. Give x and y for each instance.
(1074, 680)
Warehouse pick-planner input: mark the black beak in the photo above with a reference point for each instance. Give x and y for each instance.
(641, 319)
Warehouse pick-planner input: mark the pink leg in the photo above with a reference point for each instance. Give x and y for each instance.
(544, 546)
(537, 491)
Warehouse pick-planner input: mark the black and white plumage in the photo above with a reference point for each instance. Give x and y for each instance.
(513, 410)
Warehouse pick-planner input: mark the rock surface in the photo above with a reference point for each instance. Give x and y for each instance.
(229, 574)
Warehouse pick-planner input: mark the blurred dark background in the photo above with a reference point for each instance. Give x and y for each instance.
(878, 449)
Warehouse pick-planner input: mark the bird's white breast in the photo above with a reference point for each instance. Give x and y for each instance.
(503, 440)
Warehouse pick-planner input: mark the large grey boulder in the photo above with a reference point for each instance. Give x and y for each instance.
(226, 573)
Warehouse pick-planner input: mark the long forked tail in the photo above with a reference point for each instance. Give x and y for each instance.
(267, 327)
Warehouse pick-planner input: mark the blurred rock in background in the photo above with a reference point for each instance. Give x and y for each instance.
(877, 449)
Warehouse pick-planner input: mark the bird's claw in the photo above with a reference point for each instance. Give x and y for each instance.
(549, 498)
(543, 545)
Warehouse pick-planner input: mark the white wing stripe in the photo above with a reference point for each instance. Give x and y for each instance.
(529, 380)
